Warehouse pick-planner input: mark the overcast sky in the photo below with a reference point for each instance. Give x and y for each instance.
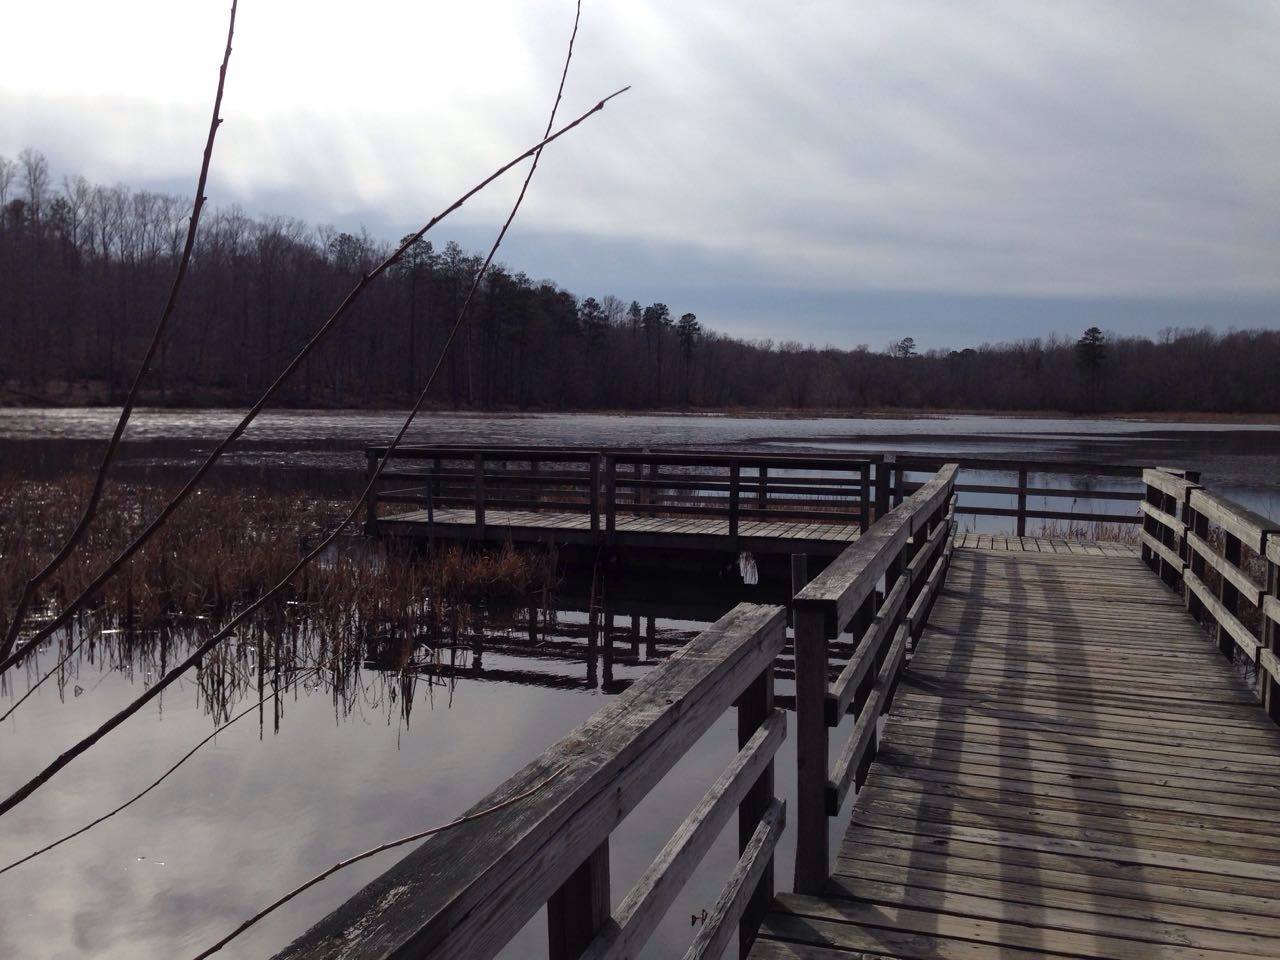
(843, 172)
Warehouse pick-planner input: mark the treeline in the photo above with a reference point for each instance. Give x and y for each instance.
(84, 270)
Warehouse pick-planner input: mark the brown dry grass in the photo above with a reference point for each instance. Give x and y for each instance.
(224, 549)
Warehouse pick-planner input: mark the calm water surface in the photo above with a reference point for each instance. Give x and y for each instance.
(269, 804)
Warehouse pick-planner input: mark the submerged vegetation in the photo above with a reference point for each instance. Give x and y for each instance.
(228, 547)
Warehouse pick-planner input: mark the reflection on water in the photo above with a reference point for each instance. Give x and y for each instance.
(393, 733)
(320, 447)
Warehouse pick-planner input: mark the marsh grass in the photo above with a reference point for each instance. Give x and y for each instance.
(224, 549)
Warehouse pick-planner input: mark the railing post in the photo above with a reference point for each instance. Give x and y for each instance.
(1199, 523)
(371, 502)
(653, 489)
(534, 489)
(1149, 495)
(799, 572)
(754, 706)
(479, 496)
(882, 488)
(594, 479)
(1270, 629)
(899, 476)
(1022, 503)
(1227, 592)
(762, 495)
(864, 486)
(610, 492)
(577, 911)
(431, 505)
(735, 479)
(813, 867)
(1170, 574)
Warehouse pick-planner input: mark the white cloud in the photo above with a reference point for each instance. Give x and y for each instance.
(1067, 149)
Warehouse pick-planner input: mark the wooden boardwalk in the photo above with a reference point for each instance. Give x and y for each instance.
(1070, 769)
(763, 536)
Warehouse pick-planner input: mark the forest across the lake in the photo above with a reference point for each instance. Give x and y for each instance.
(84, 270)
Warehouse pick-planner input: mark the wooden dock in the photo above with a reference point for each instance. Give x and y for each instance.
(693, 533)
(1057, 748)
(1070, 769)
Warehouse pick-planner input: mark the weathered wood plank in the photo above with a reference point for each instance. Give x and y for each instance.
(1237, 577)
(722, 921)
(1070, 769)
(1168, 483)
(1160, 550)
(644, 906)
(1250, 527)
(1238, 632)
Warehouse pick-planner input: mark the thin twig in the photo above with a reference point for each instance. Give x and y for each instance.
(95, 495)
(195, 657)
(341, 864)
(190, 486)
(134, 799)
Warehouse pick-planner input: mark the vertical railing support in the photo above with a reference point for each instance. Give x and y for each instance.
(1228, 595)
(610, 492)
(479, 496)
(864, 491)
(799, 572)
(431, 505)
(371, 502)
(1199, 524)
(580, 908)
(882, 488)
(1271, 629)
(812, 856)
(735, 484)
(754, 706)
(593, 471)
(1022, 502)
(762, 494)
(534, 489)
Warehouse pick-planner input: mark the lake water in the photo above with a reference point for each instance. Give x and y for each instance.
(268, 804)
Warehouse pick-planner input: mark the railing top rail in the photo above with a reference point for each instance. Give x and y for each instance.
(456, 895)
(1166, 481)
(842, 587)
(746, 459)
(1250, 527)
(671, 456)
(922, 462)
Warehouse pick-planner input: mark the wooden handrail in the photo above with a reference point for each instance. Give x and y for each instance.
(908, 548)
(466, 892)
(1178, 514)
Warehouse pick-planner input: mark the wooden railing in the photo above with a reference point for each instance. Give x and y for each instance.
(1225, 560)
(466, 892)
(1020, 488)
(908, 550)
(607, 484)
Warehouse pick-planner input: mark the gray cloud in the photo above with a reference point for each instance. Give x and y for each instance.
(819, 170)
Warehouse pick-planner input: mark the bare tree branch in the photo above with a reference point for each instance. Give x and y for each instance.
(195, 657)
(95, 495)
(189, 487)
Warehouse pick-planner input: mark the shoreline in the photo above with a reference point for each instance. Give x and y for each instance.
(31, 402)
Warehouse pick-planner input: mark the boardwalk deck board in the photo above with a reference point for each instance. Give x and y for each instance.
(1070, 769)
(776, 534)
